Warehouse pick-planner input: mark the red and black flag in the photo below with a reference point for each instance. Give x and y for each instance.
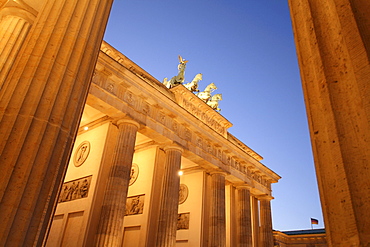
(314, 221)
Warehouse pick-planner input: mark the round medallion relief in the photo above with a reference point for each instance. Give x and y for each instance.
(183, 193)
(134, 173)
(81, 154)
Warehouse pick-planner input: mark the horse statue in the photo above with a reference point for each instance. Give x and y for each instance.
(180, 78)
(193, 85)
(213, 101)
(206, 94)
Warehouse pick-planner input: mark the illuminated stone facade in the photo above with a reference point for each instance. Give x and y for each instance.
(46, 64)
(131, 118)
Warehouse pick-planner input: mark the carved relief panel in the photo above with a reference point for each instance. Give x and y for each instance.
(183, 221)
(75, 189)
(135, 205)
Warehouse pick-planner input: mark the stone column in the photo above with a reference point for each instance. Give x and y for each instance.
(41, 103)
(16, 20)
(217, 222)
(266, 235)
(255, 222)
(167, 225)
(110, 229)
(333, 46)
(244, 216)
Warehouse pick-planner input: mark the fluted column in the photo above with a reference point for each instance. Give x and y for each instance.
(333, 46)
(266, 235)
(217, 222)
(244, 216)
(41, 103)
(255, 222)
(167, 226)
(110, 229)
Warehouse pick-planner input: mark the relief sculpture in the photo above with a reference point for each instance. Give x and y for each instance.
(75, 189)
(183, 221)
(183, 193)
(135, 205)
(134, 173)
(81, 154)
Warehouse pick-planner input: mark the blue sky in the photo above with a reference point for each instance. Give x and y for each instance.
(246, 48)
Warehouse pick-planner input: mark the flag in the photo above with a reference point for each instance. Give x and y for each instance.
(314, 221)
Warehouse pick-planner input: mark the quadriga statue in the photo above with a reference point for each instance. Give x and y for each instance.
(180, 77)
(193, 85)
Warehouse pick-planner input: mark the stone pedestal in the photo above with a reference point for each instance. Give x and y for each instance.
(110, 229)
(244, 217)
(333, 46)
(167, 226)
(217, 221)
(266, 235)
(41, 103)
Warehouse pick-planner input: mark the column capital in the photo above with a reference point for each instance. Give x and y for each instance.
(265, 197)
(217, 171)
(128, 121)
(173, 147)
(19, 8)
(239, 186)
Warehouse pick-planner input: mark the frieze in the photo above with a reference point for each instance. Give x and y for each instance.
(146, 109)
(219, 153)
(209, 148)
(249, 172)
(244, 169)
(110, 88)
(130, 98)
(161, 118)
(228, 160)
(199, 142)
(187, 134)
(175, 127)
(75, 189)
